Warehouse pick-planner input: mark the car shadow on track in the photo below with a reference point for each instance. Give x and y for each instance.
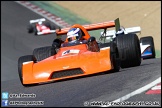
(147, 64)
(79, 77)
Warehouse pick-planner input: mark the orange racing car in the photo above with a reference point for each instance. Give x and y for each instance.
(73, 58)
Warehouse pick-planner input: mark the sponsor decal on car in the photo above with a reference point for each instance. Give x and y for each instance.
(70, 52)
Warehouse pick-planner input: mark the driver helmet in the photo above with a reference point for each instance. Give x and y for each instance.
(74, 34)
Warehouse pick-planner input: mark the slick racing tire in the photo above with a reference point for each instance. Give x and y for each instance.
(47, 24)
(35, 30)
(21, 60)
(30, 28)
(43, 53)
(129, 50)
(114, 55)
(52, 27)
(148, 40)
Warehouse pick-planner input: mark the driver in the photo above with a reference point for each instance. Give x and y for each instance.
(74, 37)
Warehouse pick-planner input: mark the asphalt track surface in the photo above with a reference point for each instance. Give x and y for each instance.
(16, 42)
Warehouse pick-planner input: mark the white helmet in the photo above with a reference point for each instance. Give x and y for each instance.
(74, 34)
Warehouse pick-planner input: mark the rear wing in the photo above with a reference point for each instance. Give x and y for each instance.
(115, 23)
(37, 20)
(89, 27)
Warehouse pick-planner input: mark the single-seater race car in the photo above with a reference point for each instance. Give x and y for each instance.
(57, 62)
(146, 42)
(40, 27)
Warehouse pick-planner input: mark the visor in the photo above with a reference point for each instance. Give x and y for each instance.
(73, 38)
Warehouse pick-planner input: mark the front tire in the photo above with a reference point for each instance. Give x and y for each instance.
(148, 40)
(21, 60)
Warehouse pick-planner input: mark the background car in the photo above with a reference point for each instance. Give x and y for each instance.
(40, 27)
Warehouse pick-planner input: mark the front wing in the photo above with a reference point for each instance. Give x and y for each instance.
(46, 32)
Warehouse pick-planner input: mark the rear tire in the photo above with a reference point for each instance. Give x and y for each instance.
(129, 50)
(47, 24)
(43, 53)
(148, 40)
(52, 27)
(21, 60)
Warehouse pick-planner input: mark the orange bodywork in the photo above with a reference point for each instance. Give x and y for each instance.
(89, 62)
(77, 58)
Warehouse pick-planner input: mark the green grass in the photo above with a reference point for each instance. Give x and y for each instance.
(158, 53)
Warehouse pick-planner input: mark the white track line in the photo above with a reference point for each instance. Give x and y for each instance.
(138, 91)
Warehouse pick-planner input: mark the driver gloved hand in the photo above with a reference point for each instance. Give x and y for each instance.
(55, 45)
(91, 39)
